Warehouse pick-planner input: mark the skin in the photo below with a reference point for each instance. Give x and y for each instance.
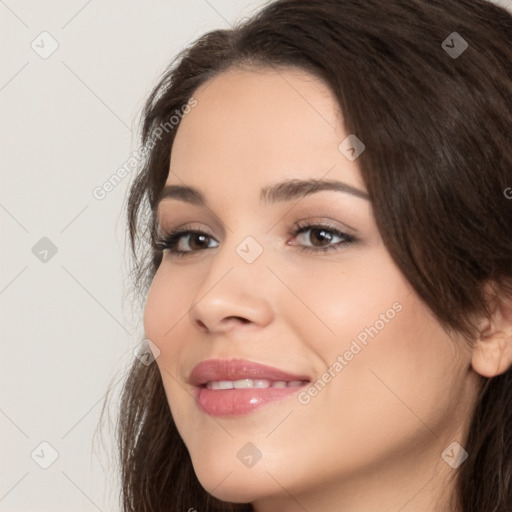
(372, 438)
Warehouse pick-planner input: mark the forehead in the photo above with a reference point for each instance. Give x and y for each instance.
(259, 124)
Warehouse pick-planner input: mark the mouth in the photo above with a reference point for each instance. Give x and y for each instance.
(237, 387)
(253, 384)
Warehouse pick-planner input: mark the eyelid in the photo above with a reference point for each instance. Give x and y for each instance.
(165, 228)
(328, 222)
(170, 220)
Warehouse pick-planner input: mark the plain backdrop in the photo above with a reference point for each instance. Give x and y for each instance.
(73, 79)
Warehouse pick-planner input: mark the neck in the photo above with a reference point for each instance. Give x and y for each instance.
(414, 483)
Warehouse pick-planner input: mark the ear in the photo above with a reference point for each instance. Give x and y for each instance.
(492, 354)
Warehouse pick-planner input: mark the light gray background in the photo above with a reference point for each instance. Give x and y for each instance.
(68, 122)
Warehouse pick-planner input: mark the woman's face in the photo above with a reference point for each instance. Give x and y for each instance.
(297, 279)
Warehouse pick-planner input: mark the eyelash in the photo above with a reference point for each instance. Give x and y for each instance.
(170, 241)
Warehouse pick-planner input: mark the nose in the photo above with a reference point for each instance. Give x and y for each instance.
(232, 296)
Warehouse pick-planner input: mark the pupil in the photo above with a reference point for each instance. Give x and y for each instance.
(324, 236)
(199, 238)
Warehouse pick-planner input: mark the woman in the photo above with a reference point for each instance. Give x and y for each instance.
(328, 265)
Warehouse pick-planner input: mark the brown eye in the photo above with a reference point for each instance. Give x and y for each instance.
(183, 242)
(320, 237)
(194, 241)
(199, 241)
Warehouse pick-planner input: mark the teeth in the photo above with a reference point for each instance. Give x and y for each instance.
(243, 383)
(253, 383)
(261, 383)
(222, 384)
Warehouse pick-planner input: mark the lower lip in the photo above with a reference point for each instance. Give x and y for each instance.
(236, 402)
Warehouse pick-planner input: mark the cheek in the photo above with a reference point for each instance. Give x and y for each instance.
(165, 315)
(165, 308)
(356, 298)
(395, 356)
(399, 383)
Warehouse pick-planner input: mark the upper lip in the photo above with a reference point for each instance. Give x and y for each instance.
(213, 370)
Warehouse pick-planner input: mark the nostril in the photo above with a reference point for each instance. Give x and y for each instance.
(225, 323)
(202, 325)
(239, 318)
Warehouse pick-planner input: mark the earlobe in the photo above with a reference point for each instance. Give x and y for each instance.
(492, 357)
(492, 354)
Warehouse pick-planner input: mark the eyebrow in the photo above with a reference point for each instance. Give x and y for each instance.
(278, 192)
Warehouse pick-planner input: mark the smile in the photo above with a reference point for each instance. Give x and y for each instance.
(237, 387)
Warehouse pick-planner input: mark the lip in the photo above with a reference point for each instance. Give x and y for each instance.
(237, 402)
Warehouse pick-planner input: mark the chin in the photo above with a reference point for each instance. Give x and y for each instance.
(243, 485)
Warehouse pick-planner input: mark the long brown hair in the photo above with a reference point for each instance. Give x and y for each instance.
(437, 127)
